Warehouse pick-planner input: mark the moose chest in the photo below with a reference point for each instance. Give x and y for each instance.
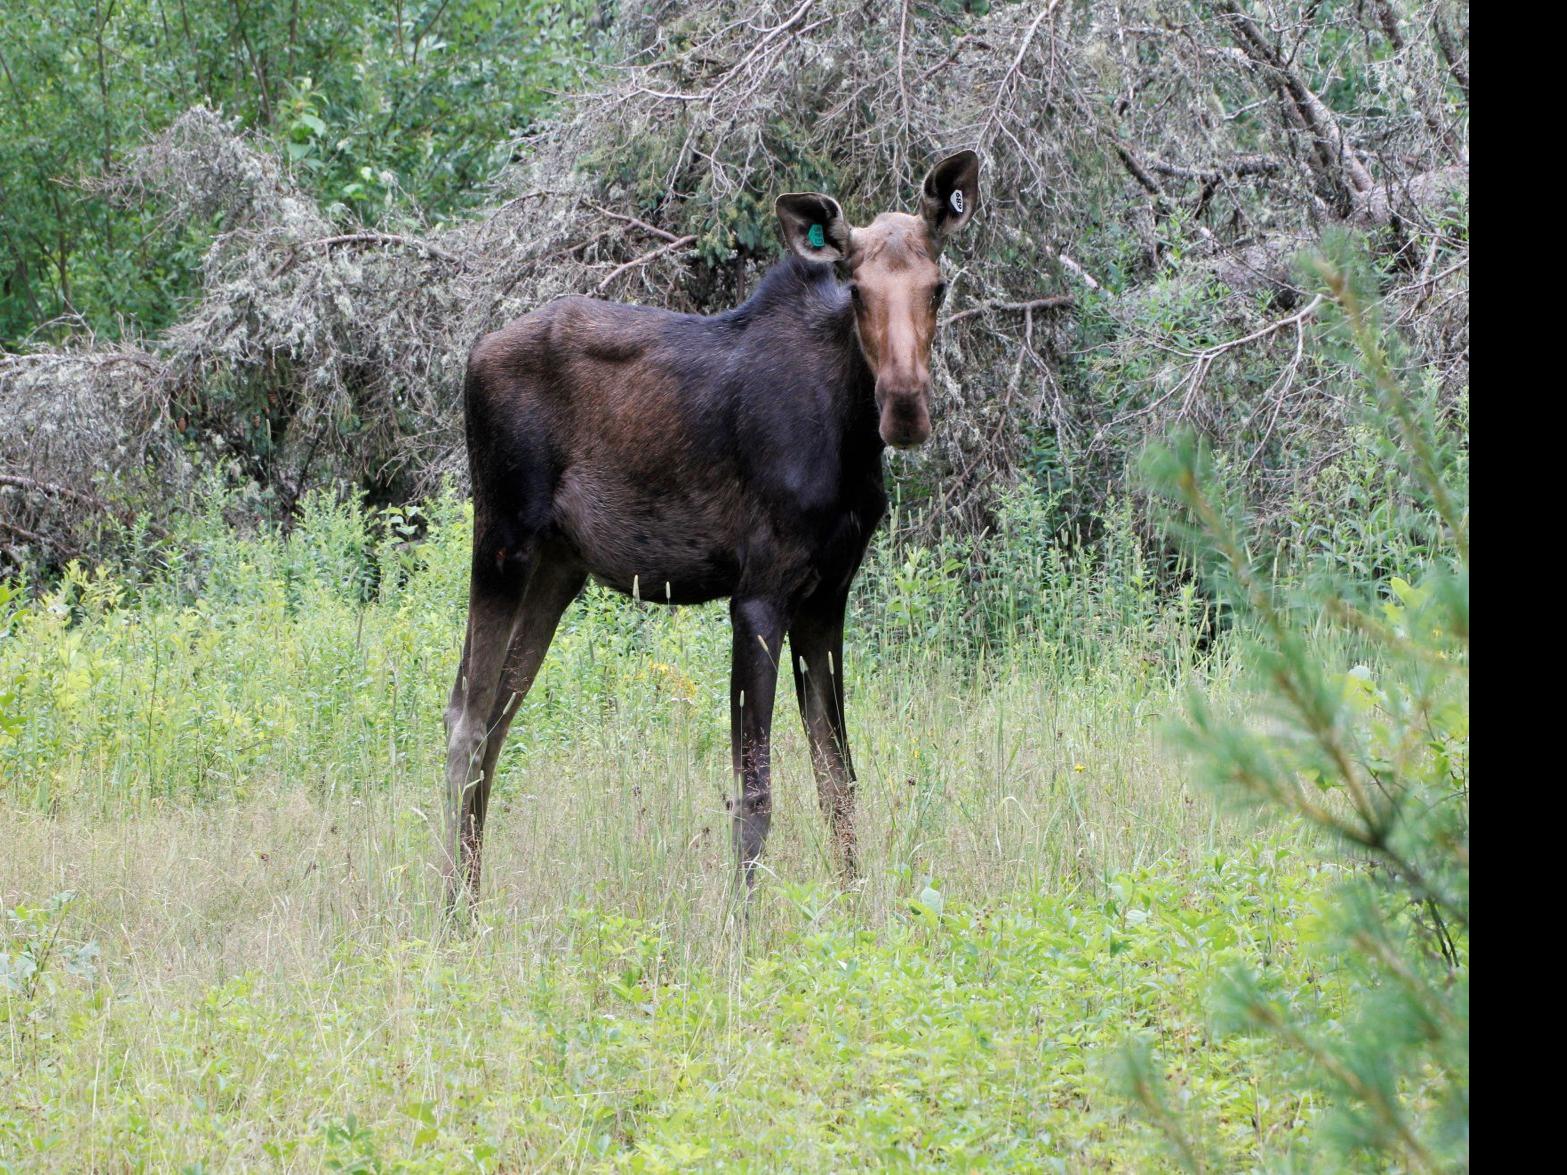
(777, 523)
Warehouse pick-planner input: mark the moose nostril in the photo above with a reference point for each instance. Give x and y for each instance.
(905, 420)
(906, 437)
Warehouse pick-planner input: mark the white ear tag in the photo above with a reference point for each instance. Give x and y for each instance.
(956, 200)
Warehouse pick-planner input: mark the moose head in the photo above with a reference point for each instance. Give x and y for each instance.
(894, 277)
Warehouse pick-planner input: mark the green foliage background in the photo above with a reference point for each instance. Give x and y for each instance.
(399, 112)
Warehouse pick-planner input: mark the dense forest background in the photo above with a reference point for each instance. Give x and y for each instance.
(253, 242)
(401, 112)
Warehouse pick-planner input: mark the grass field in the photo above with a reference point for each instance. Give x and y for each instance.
(223, 949)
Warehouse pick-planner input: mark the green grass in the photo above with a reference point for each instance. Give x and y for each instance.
(977, 1036)
(232, 766)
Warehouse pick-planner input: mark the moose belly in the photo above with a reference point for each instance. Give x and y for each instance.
(696, 586)
(664, 547)
(661, 574)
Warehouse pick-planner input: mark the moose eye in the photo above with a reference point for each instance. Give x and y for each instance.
(939, 294)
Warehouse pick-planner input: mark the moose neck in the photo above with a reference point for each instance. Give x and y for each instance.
(806, 315)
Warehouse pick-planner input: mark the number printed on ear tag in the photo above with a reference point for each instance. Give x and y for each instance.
(957, 200)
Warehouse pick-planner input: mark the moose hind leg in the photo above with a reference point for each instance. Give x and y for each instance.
(550, 592)
(494, 603)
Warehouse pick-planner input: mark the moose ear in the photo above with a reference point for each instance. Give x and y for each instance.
(950, 195)
(813, 226)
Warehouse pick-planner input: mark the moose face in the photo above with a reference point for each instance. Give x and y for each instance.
(894, 277)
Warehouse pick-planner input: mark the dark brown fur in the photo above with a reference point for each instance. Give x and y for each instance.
(686, 459)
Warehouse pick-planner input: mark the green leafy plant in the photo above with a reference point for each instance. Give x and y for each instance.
(1361, 731)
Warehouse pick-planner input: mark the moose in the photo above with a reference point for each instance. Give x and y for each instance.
(686, 458)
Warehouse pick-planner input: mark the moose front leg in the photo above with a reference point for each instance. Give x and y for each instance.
(816, 646)
(758, 641)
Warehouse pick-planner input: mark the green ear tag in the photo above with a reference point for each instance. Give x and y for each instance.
(818, 241)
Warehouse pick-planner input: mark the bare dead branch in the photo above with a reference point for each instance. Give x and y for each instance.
(663, 234)
(638, 262)
(93, 501)
(1233, 169)
(1054, 302)
(370, 238)
(1334, 149)
(1457, 60)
